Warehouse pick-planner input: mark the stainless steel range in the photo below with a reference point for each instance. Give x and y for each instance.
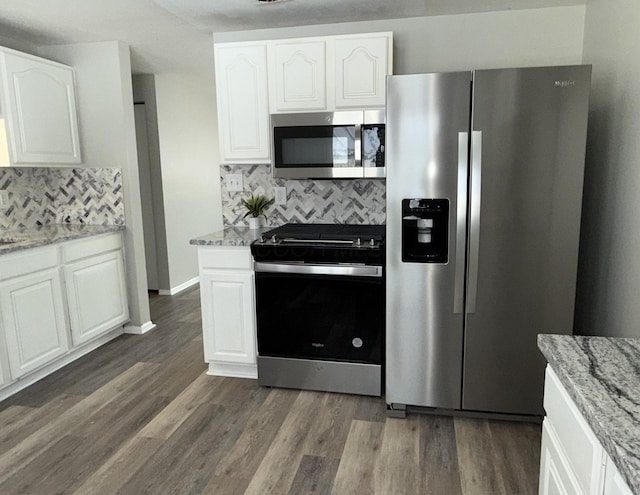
(320, 307)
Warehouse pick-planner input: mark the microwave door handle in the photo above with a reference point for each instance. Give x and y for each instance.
(358, 145)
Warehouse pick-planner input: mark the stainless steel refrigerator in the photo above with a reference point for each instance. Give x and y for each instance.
(484, 196)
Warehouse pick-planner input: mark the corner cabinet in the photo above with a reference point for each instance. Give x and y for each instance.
(572, 460)
(39, 106)
(242, 97)
(228, 310)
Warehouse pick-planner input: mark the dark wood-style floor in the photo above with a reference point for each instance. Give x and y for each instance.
(139, 415)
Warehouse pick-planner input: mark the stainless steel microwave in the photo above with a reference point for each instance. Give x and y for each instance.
(336, 145)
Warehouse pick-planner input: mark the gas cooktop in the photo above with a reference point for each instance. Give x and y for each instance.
(321, 243)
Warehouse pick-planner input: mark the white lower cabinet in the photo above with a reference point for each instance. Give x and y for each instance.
(97, 295)
(228, 310)
(33, 320)
(56, 302)
(572, 460)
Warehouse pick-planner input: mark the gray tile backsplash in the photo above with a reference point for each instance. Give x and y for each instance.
(40, 196)
(359, 201)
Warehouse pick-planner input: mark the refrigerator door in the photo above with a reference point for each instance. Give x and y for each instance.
(527, 163)
(427, 145)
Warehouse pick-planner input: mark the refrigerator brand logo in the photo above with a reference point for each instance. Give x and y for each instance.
(316, 344)
(564, 84)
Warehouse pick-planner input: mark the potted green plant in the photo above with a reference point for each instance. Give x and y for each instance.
(256, 205)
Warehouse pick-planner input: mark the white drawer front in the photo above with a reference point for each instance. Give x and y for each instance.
(90, 246)
(581, 447)
(28, 261)
(225, 257)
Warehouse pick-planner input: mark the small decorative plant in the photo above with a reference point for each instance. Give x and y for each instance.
(256, 205)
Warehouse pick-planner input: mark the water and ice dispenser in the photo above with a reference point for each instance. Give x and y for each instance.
(425, 230)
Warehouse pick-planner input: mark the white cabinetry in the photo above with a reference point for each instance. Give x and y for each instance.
(329, 73)
(39, 106)
(242, 95)
(228, 310)
(95, 285)
(33, 313)
(298, 75)
(362, 64)
(572, 460)
(57, 303)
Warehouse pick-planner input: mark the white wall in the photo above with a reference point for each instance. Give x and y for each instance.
(516, 38)
(107, 134)
(190, 173)
(609, 270)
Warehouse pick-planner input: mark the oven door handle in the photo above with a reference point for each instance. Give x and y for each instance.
(310, 269)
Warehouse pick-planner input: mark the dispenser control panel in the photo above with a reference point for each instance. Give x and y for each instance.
(425, 230)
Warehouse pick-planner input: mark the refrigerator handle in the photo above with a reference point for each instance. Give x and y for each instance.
(474, 219)
(461, 217)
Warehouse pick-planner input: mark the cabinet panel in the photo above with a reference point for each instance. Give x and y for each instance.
(33, 320)
(361, 67)
(97, 295)
(555, 473)
(297, 70)
(40, 108)
(228, 316)
(614, 483)
(242, 95)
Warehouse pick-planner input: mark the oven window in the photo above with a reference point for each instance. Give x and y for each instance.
(314, 146)
(320, 317)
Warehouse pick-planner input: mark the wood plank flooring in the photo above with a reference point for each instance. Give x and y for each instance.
(140, 416)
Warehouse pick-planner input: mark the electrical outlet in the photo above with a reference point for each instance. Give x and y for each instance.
(4, 199)
(280, 194)
(233, 182)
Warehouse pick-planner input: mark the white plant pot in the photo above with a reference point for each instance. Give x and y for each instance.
(255, 222)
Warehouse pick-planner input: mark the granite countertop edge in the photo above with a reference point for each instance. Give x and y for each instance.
(12, 241)
(602, 376)
(230, 236)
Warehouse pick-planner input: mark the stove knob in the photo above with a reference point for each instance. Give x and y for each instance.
(372, 242)
(274, 239)
(358, 242)
(262, 240)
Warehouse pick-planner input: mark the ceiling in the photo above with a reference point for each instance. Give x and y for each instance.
(175, 35)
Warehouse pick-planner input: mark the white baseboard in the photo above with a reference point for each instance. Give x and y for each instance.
(237, 370)
(175, 290)
(139, 330)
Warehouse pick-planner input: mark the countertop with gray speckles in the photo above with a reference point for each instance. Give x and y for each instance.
(230, 236)
(43, 235)
(602, 376)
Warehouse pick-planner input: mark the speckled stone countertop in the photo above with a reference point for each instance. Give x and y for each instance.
(602, 376)
(17, 240)
(230, 236)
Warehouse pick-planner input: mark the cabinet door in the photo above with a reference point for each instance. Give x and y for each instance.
(97, 295)
(297, 72)
(40, 108)
(556, 477)
(361, 68)
(614, 483)
(243, 112)
(228, 314)
(34, 321)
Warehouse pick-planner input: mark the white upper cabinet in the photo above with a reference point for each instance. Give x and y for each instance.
(298, 72)
(361, 67)
(242, 95)
(39, 107)
(329, 73)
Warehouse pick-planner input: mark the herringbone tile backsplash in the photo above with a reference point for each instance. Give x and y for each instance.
(40, 196)
(356, 201)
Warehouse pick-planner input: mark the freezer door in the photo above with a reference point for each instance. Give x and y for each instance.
(527, 164)
(428, 119)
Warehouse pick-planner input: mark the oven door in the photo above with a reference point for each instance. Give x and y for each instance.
(320, 312)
